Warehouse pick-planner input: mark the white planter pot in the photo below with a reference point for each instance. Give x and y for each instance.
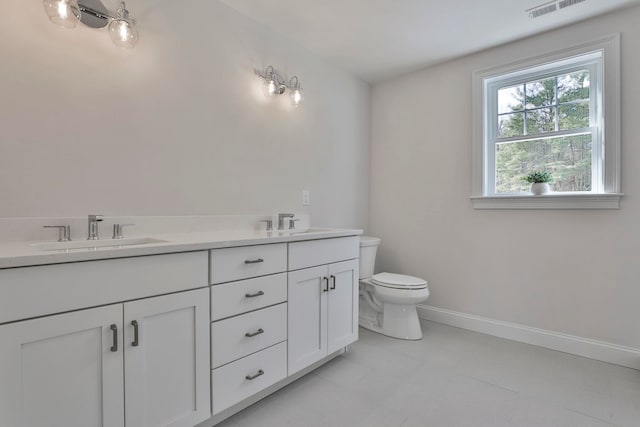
(540, 188)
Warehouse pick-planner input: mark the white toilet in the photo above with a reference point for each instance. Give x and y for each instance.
(387, 300)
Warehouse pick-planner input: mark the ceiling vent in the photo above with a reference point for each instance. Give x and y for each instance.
(550, 7)
(566, 3)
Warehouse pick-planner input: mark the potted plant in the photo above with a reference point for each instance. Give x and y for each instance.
(539, 181)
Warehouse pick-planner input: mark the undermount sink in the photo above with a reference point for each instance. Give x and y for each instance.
(94, 244)
(310, 230)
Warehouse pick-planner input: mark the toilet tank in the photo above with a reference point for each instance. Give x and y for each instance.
(368, 249)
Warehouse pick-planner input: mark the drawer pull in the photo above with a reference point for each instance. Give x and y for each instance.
(257, 294)
(333, 280)
(326, 288)
(114, 329)
(254, 261)
(256, 375)
(136, 338)
(253, 334)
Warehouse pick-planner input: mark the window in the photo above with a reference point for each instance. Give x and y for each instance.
(557, 113)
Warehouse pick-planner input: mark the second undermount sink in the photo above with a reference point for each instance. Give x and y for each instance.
(95, 244)
(310, 230)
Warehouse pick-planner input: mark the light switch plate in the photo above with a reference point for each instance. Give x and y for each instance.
(306, 198)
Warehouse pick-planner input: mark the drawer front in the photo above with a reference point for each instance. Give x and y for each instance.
(37, 291)
(239, 336)
(230, 384)
(325, 251)
(247, 261)
(247, 295)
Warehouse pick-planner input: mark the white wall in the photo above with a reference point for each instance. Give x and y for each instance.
(178, 125)
(488, 263)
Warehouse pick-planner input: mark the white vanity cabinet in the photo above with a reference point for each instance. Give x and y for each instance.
(147, 358)
(323, 300)
(175, 339)
(60, 370)
(166, 365)
(249, 329)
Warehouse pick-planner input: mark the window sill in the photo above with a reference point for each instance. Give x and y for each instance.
(549, 201)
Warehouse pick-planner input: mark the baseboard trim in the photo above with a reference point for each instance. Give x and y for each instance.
(599, 350)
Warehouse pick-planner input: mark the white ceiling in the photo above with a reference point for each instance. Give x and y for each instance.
(379, 39)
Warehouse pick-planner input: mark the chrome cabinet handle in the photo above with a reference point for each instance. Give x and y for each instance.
(257, 294)
(136, 341)
(256, 375)
(114, 329)
(326, 288)
(253, 334)
(333, 282)
(254, 261)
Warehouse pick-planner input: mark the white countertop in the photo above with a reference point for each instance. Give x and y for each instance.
(23, 254)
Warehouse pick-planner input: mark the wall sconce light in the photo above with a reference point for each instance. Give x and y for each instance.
(274, 84)
(92, 13)
(296, 91)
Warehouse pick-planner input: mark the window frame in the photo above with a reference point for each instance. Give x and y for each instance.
(605, 192)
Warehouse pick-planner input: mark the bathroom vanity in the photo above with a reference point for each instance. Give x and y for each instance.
(184, 330)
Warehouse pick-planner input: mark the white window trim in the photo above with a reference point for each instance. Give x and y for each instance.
(607, 197)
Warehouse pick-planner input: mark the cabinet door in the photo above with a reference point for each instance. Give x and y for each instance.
(63, 370)
(307, 309)
(342, 318)
(167, 378)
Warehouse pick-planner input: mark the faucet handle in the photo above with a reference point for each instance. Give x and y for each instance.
(292, 223)
(97, 218)
(118, 228)
(269, 224)
(64, 232)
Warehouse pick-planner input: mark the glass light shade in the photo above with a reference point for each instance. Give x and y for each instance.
(123, 33)
(296, 96)
(270, 87)
(63, 13)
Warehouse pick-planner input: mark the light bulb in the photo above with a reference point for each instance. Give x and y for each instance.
(123, 33)
(122, 30)
(271, 87)
(296, 96)
(64, 13)
(63, 10)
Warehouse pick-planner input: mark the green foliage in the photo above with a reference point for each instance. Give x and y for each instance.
(538, 177)
(567, 158)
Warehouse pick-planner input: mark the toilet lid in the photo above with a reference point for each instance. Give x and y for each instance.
(398, 281)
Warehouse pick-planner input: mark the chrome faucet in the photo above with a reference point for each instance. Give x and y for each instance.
(93, 227)
(281, 218)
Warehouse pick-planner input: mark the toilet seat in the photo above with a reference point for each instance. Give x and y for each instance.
(398, 281)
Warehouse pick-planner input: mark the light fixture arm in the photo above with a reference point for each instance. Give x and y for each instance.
(93, 12)
(121, 12)
(294, 85)
(271, 74)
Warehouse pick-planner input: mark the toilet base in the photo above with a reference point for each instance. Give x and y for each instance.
(401, 321)
(398, 321)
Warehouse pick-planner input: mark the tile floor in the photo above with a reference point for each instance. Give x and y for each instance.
(452, 378)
